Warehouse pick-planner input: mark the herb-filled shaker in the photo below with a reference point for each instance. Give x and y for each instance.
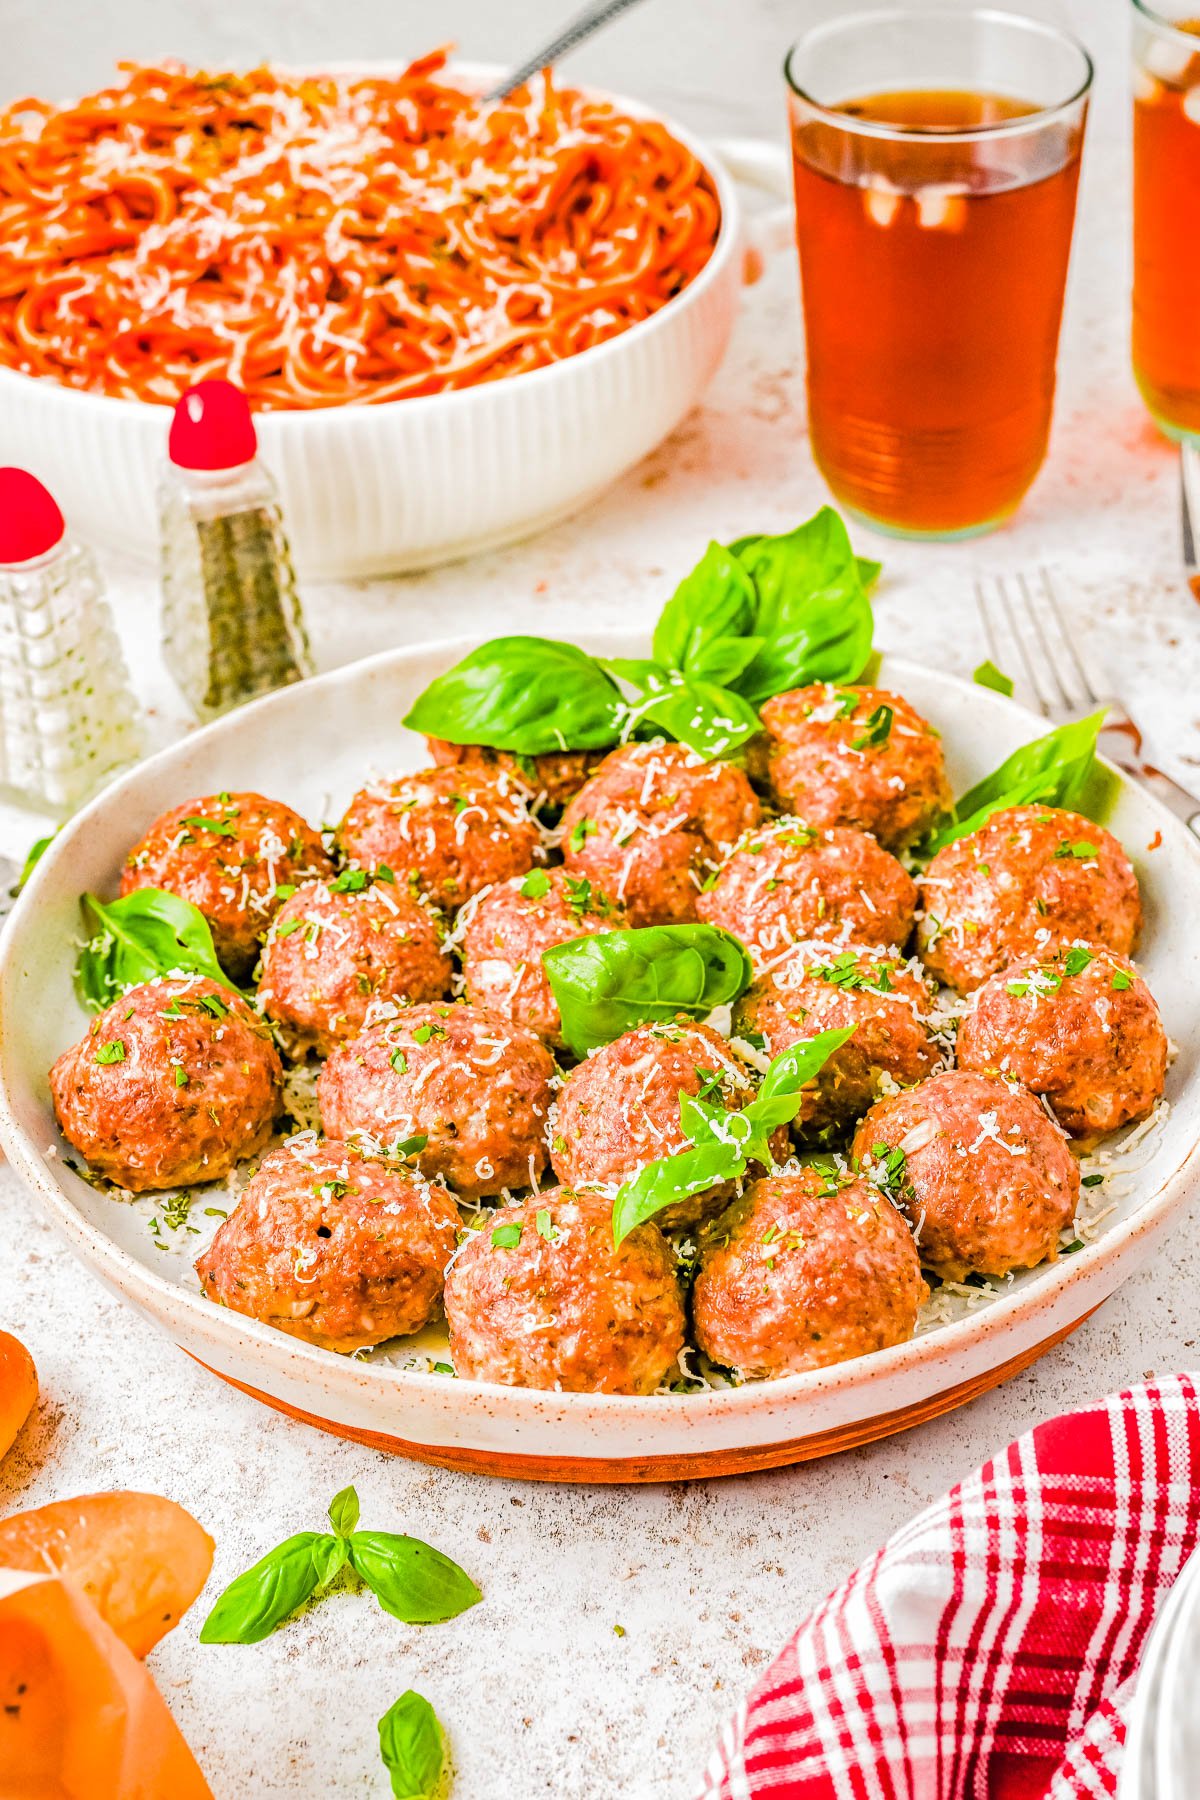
(232, 624)
(68, 720)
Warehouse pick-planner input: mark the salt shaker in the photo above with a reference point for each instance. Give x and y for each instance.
(68, 720)
(232, 624)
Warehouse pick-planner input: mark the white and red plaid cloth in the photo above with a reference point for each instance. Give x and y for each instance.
(987, 1651)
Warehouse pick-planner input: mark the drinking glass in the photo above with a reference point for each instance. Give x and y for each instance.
(1166, 212)
(936, 160)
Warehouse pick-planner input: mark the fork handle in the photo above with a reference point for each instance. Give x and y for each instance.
(1123, 746)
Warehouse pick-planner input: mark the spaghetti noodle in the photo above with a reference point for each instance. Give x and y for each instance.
(331, 240)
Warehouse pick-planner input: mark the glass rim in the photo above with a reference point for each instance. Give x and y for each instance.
(1032, 121)
(1188, 39)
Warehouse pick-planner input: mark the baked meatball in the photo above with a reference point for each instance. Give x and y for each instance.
(856, 756)
(449, 832)
(804, 1270)
(619, 1110)
(1032, 877)
(333, 1246)
(1079, 1026)
(172, 1084)
(509, 927)
(822, 987)
(980, 1171)
(236, 857)
(790, 882)
(336, 948)
(471, 1086)
(549, 780)
(650, 825)
(538, 1297)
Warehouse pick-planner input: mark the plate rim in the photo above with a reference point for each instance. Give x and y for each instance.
(129, 1275)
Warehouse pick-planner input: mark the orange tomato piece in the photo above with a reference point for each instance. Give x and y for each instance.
(141, 1560)
(18, 1388)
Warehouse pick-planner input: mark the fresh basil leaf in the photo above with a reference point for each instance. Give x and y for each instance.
(725, 1142)
(144, 935)
(989, 676)
(411, 1747)
(343, 1512)
(525, 694)
(262, 1598)
(36, 852)
(411, 1580)
(713, 605)
(330, 1556)
(812, 613)
(1051, 771)
(868, 572)
(710, 720)
(608, 983)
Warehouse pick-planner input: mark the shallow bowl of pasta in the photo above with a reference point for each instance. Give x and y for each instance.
(456, 322)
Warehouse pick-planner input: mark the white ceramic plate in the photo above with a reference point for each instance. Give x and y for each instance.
(371, 490)
(312, 745)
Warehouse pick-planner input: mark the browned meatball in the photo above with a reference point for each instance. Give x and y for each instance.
(651, 824)
(173, 1084)
(984, 1177)
(1079, 1026)
(235, 856)
(822, 987)
(333, 1246)
(1031, 878)
(449, 832)
(550, 780)
(538, 1297)
(471, 1085)
(336, 948)
(509, 927)
(804, 1270)
(790, 882)
(619, 1110)
(856, 756)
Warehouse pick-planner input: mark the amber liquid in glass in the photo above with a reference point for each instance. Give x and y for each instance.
(933, 275)
(1166, 241)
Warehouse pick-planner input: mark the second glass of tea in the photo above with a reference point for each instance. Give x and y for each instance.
(936, 157)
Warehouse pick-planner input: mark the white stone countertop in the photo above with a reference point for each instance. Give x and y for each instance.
(540, 1694)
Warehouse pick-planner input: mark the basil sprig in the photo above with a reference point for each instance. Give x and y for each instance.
(411, 1580)
(411, 1746)
(724, 1143)
(144, 935)
(1055, 770)
(608, 983)
(752, 618)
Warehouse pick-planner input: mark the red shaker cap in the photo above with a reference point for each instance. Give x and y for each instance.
(30, 522)
(212, 428)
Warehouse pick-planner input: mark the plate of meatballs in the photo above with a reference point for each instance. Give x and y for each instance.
(614, 1113)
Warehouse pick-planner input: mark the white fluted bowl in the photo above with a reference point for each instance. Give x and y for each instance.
(376, 489)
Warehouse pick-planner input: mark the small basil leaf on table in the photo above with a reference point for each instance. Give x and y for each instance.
(264, 1596)
(36, 852)
(709, 719)
(713, 606)
(812, 614)
(411, 1580)
(1053, 770)
(524, 694)
(989, 676)
(144, 935)
(343, 1512)
(610, 982)
(411, 1747)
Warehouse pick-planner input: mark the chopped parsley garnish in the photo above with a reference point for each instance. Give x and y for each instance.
(1121, 980)
(583, 898)
(535, 885)
(330, 1190)
(1092, 1180)
(1081, 851)
(581, 831)
(381, 872)
(286, 929)
(218, 827)
(1076, 960)
(506, 1237)
(284, 890)
(398, 1061)
(111, 1053)
(411, 1146)
(423, 1033)
(545, 1227)
(1070, 1249)
(181, 1075)
(844, 972)
(801, 837)
(350, 881)
(878, 729)
(892, 1178)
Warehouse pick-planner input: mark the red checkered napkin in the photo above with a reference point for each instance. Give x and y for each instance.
(986, 1652)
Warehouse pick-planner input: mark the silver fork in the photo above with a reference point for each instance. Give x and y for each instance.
(1022, 617)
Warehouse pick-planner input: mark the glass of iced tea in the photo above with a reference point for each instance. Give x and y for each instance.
(1166, 212)
(936, 157)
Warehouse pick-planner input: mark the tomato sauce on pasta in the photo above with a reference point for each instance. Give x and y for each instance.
(324, 240)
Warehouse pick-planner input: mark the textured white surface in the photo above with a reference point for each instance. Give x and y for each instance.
(539, 1694)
